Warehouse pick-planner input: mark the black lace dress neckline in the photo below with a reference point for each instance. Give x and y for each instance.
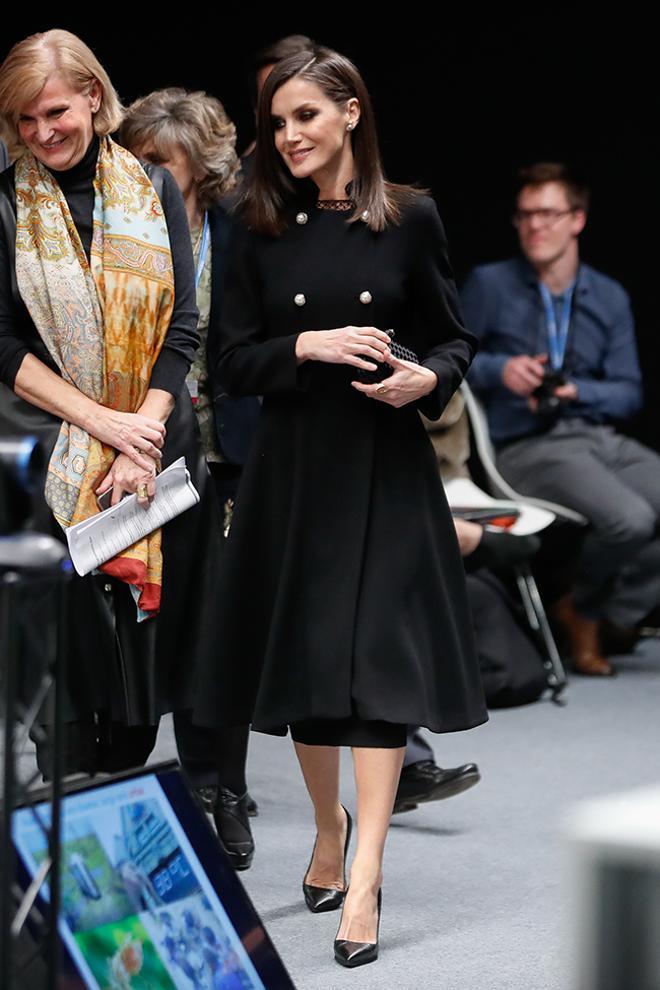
(339, 205)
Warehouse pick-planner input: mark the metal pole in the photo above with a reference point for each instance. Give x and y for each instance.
(54, 950)
(9, 643)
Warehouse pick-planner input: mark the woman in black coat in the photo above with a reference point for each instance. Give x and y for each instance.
(343, 609)
(190, 134)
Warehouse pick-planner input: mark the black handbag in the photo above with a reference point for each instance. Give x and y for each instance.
(512, 671)
(384, 370)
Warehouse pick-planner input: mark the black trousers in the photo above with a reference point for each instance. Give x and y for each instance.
(613, 481)
(99, 745)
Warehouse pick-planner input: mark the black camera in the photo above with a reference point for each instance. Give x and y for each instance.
(548, 402)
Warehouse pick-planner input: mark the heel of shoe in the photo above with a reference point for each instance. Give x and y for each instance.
(239, 859)
(351, 954)
(233, 828)
(322, 899)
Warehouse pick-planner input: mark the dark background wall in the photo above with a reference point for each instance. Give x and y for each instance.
(459, 109)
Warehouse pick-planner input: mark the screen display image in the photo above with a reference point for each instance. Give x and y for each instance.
(138, 911)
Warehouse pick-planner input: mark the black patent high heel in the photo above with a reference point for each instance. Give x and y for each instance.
(319, 899)
(351, 954)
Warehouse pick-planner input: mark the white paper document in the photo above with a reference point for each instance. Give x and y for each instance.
(101, 537)
(463, 493)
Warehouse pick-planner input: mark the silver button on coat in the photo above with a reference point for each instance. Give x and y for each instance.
(301, 218)
(365, 297)
(299, 299)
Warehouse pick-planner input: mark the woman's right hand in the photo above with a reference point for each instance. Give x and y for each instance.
(139, 437)
(125, 478)
(358, 346)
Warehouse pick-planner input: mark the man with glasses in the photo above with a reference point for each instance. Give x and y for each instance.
(557, 366)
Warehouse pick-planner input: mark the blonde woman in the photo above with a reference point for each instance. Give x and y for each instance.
(98, 329)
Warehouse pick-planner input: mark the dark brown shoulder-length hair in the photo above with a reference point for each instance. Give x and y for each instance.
(272, 189)
(540, 173)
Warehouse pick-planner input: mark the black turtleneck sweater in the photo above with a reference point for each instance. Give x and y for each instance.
(18, 334)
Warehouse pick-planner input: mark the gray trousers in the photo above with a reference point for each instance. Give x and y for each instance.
(613, 481)
(417, 748)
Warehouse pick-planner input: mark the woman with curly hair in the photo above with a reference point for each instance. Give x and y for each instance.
(190, 134)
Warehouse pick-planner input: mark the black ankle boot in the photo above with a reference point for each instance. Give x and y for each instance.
(208, 795)
(233, 826)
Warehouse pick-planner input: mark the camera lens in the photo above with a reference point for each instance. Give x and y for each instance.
(22, 459)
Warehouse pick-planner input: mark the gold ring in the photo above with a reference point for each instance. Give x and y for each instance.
(381, 389)
(141, 491)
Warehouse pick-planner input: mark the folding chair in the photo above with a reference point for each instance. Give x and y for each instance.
(482, 448)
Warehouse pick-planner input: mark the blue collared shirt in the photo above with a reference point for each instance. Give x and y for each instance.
(502, 305)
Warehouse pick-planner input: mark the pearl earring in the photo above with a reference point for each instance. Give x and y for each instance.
(350, 126)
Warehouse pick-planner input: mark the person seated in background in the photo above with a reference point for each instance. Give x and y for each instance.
(486, 547)
(557, 367)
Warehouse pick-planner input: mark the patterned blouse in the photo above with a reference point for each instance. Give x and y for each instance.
(198, 379)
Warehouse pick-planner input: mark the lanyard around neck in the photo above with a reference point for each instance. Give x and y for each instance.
(557, 335)
(204, 249)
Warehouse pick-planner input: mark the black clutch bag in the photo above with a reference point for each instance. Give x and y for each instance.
(384, 370)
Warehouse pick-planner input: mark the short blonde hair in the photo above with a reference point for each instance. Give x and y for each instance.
(195, 121)
(30, 63)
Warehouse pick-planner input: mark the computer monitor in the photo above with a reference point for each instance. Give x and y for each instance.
(149, 899)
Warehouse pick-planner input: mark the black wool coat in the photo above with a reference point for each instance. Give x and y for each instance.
(342, 590)
(235, 419)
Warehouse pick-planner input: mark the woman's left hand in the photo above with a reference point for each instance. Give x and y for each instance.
(125, 477)
(408, 383)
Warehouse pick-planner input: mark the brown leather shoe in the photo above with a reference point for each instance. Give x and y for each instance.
(584, 641)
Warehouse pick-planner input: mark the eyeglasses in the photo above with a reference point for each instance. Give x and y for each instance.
(547, 218)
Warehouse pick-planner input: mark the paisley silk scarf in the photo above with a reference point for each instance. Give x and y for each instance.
(103, 323)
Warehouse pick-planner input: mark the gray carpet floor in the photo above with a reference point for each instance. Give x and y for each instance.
(474, 897)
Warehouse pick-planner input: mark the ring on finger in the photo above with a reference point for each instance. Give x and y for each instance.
(382, 389)
(141, 491)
